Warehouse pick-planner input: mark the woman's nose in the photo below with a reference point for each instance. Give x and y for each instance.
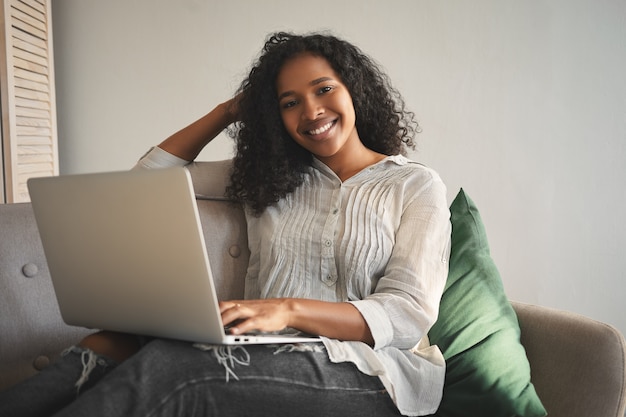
(311, 109)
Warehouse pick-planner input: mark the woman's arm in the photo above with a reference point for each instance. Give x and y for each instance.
(185, 144)
(189, 141)
(405, 301)
(333, 320)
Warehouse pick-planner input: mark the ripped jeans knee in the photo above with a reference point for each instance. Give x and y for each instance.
(93, 365)
(229, 356)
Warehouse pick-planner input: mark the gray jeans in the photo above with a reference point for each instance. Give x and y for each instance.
(172, 378)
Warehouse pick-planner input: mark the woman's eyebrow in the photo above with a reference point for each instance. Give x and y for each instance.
(285, 94)
(312, 83)
(320, 80)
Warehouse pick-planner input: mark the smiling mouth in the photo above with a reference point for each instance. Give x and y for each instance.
(321, 129)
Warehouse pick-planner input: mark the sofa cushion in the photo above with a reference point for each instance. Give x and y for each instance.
(487, 373)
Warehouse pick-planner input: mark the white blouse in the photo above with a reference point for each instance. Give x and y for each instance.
(379, 240)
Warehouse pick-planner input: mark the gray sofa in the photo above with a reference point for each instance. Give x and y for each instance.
(578, 365)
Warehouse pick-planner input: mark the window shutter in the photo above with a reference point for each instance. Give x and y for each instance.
(29, 135)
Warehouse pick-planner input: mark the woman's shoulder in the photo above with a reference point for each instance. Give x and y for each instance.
(412, 168)
(417, 180)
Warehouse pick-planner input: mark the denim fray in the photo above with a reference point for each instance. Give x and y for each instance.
(227, 356)
(230, 356)
(90, 360)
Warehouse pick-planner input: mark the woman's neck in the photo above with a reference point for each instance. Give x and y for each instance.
(347, 164)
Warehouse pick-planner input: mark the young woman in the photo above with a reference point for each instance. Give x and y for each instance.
(348, 238)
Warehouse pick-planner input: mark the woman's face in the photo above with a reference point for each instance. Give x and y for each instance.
(316, 107)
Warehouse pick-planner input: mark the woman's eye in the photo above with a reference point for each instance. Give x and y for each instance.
(289, 104)
(325, 89)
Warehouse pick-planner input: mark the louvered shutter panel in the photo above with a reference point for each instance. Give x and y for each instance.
(28, 102)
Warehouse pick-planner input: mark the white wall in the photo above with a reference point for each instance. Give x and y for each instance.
(523, 104)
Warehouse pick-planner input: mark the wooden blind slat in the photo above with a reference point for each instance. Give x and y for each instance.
(38, 26)
(35, 167)
(34, 149)
(32, 104)
(29, 75)
(31, 95)
(35, 140)
(31, 98)
(27, 28)
(32, 121)
(32, 131)
(30, 66)
(36, 159)
(32, 113)
(23, 13)
(31, 85)
(30, 12)
(30, 57)
(29, 42)
(35, 5)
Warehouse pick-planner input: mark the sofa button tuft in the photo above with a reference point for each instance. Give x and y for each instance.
(30, 270)
(41, 362)
(234, 251)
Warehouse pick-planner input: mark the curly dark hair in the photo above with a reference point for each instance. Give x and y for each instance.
(269, 164)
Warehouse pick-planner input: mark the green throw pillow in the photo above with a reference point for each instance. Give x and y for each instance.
(487, 373)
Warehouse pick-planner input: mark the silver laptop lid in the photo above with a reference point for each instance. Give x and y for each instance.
(116, 242)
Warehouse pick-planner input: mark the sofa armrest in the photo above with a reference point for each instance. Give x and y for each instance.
(578, 365)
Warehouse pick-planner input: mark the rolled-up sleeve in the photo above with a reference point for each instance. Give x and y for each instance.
(158, 158)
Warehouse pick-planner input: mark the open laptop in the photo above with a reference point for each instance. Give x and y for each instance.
(126, 253)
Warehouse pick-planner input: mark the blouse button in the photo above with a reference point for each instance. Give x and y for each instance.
(328, 243)
(329, 280)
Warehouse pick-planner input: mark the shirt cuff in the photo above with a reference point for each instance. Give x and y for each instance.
(158, 158)
(378, 321)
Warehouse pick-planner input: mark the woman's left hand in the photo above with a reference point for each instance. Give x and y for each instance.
(262, 315)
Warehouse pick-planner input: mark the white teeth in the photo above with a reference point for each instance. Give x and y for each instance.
(321, 129)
